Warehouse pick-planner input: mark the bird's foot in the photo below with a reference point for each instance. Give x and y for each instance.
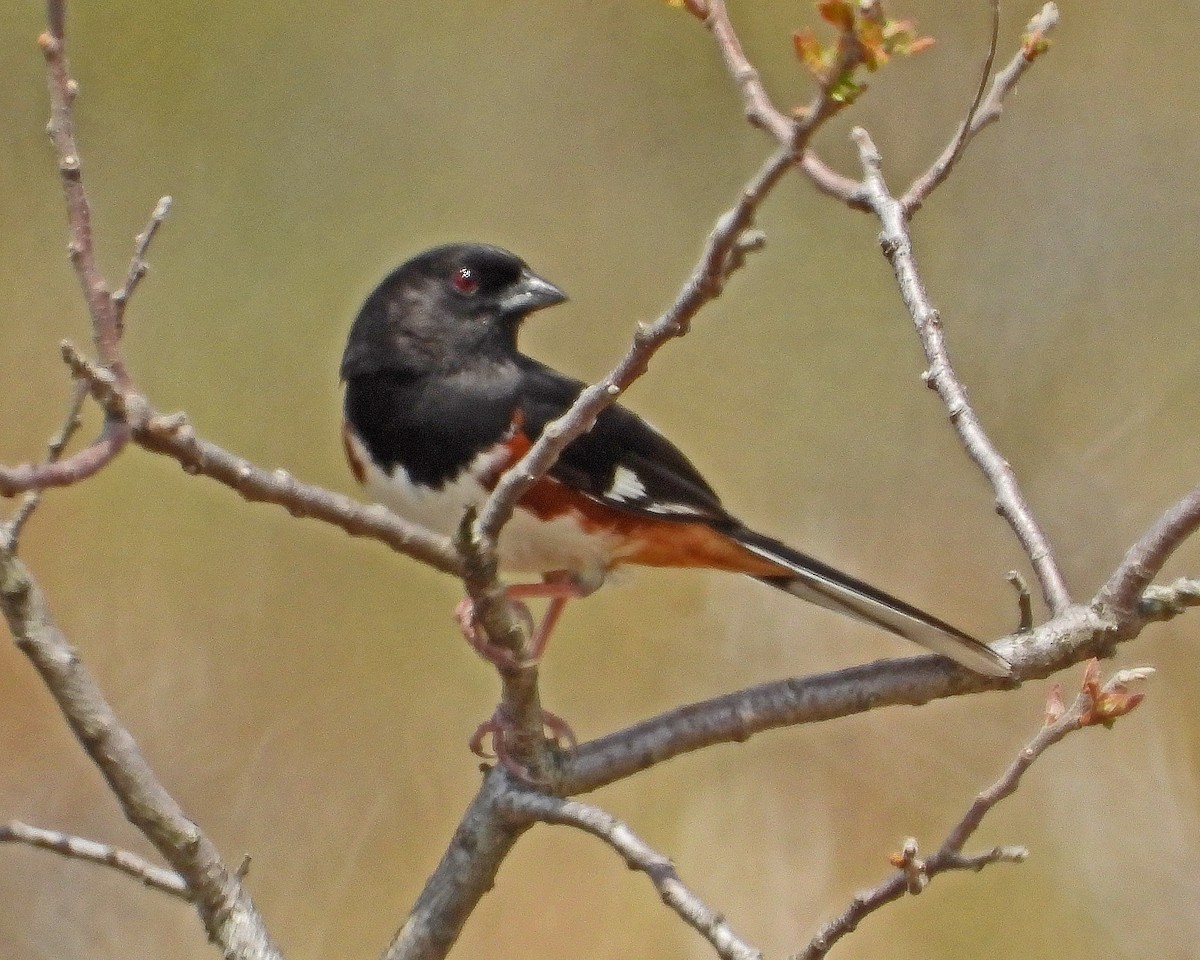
(500, 657)
(558, 588)
(506, 741)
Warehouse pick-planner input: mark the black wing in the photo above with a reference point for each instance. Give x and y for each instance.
(622, 461)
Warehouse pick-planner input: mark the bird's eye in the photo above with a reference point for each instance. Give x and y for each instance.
(464, 281)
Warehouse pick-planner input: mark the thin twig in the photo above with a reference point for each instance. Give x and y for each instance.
(91, 851)
(1168, 602)
(921, 188)
(173, 436)
(54, 449)
(638, 855)
(705, 283)
(137, 263)
(896, 243)
(63, 90)
(63, 473)
(1024, 601)
(759, 109)
(1093, 706)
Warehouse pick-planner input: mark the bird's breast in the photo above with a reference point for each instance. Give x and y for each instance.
(552, 537)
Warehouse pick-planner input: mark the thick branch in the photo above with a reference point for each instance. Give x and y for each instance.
(1148, 556)
(1010, 502)
(1075, 635)
(226, 911)
(90, 851)
(466, 872)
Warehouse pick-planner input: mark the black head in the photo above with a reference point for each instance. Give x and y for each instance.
(444, 307)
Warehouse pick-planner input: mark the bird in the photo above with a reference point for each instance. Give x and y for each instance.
(439, 401)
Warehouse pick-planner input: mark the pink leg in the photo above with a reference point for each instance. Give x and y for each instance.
(557, 587)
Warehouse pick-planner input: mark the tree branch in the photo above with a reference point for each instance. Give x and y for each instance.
(90, 851)
(226, 911)
(1168, 602)
(1010, 502)
(466, 872)
(106, 328)
(32, 499)
(137, 263)
(1148, 556)
(984, 111)
(638, 855)
(945, 163)
(1078, 633)
(759, 109)
(1092, 706)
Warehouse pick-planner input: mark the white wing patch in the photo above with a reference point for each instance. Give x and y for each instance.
(676, 509)
(626, 485)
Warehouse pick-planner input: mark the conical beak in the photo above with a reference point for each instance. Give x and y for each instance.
(530, 293)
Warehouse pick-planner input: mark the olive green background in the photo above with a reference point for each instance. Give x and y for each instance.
(306, 697)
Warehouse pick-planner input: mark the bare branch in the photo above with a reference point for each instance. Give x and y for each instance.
(63, 473)
(54, 449)
(1166, 603)
(519, 714)
(1024, 601)
(638, 855)
(226, 911)
(914, 873)
(724, 252)
(137, 264)
(1147, 557)
(63, 89)
(760, 111)
(941, 168)
(1010, 502)
(1075, 635)
(721, 255)
(90, 851)
(466, 872)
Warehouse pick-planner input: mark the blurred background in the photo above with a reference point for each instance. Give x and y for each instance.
(306, 697)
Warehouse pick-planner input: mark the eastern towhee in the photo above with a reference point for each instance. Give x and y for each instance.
(440, 402)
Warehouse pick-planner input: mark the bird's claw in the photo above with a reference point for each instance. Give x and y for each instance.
(500, 657)
(504, 736)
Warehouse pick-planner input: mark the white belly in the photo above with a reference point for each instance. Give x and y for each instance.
(527, 543)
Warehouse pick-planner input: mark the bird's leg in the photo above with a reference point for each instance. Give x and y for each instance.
(558, 587)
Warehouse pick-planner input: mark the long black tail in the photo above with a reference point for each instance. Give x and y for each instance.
(821, 584)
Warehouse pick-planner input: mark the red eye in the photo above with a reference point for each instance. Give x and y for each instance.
(464, 281)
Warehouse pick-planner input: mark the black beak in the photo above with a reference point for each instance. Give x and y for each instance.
(529, 293)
